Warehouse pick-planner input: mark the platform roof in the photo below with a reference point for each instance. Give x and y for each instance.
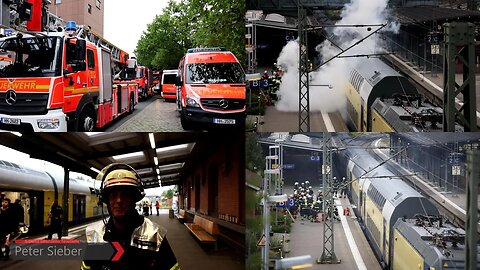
(176, 152)
(415, 15)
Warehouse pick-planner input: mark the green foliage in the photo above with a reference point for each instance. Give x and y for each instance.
(169, 193)
(284, 224)
(192, 23)
(254, 261)
(254, 157)
(258, 105)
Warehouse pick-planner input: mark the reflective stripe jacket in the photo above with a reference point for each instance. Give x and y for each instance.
(146, 247)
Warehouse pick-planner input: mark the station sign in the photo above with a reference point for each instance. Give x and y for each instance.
(456, 170)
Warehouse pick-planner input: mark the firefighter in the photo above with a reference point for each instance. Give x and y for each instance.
(55, 216)
(344, 188)
(7, 227)
(335, 186)
(310, 191)
(144, 242)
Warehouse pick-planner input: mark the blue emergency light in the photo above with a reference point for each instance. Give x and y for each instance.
(71, 26)
(216, 49)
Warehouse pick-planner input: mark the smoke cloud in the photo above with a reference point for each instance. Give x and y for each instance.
(336, 72)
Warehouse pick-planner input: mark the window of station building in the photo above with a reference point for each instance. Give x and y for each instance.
(98, 3)
(90, 59)
(89, 8)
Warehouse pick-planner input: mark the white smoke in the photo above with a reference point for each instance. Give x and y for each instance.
(336, 72)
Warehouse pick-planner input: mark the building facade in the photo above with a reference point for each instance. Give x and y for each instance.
(84, 12)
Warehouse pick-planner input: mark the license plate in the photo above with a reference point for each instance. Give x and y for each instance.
(224, 121)
(11, 121)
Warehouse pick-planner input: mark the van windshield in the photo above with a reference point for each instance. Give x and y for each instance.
(214, 73)
(169, 78)
(31, 57)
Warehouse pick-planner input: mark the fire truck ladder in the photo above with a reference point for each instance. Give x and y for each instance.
(86, 33)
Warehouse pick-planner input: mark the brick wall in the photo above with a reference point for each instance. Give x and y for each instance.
(222, 163)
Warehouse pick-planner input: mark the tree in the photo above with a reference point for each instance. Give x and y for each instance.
(169, 193)
(166, 38)
(253, 153)
(192, 23)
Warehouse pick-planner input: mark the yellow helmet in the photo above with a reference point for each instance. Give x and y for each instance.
(119, 174)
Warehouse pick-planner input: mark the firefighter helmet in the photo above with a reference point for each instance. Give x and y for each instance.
(119, 174)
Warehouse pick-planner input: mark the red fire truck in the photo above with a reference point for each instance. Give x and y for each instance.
(63, 80)
(144, 78)
(156, 81)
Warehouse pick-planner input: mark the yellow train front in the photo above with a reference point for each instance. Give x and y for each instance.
(379, 99)
(37, 191)
(389, 210)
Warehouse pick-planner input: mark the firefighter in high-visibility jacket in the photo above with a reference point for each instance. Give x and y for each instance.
(144, 242)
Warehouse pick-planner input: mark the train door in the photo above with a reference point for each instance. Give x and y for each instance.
(78, 208)
(364, 210)
(25, 202)
(361, 115)
(35, 211)
(384, 243)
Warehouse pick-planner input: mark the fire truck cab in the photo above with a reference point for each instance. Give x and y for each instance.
(144, 78)
(60, 80)
(210, 88)
(156, 81)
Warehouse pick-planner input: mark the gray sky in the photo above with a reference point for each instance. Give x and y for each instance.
(126, 20)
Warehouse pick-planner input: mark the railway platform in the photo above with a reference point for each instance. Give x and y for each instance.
(189, 253)
(351, 246)
(275, 120)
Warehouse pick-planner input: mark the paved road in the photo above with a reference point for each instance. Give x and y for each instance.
(153, 115)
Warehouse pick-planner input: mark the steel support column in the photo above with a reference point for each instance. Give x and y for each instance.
(303, 69)
(328, 252)
(459, 47)
(473, 175)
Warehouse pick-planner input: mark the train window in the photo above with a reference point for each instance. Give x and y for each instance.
(8, 164)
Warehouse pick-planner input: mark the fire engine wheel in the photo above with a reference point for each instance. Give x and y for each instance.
(86, 120)
(185, 123)
(131, 107)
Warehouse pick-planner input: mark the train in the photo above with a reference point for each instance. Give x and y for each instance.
(37, 191)
(380, 99)
(404, 228)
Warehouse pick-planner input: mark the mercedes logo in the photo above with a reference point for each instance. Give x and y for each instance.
(223, 103)
(10, 97)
